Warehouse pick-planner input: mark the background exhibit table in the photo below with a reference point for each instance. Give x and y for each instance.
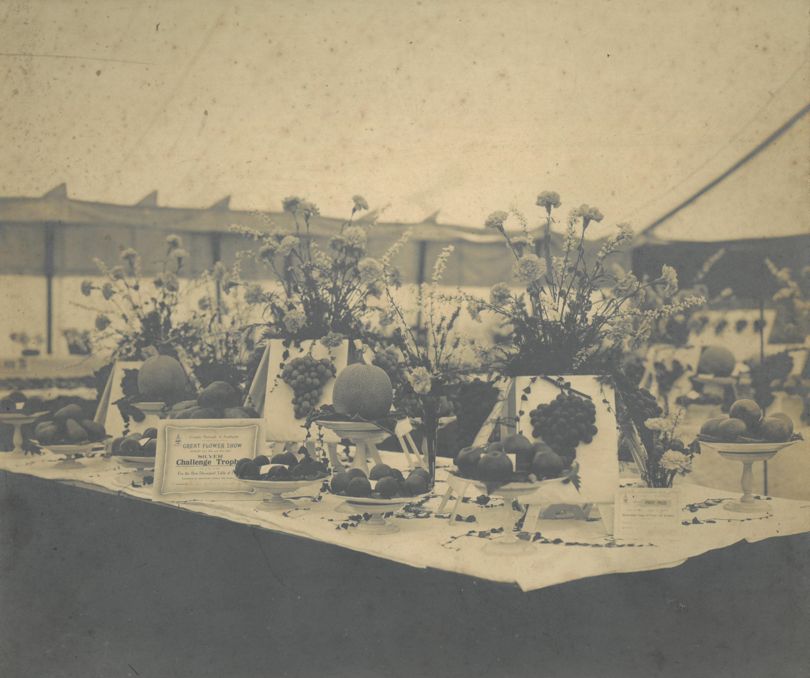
(560, 550)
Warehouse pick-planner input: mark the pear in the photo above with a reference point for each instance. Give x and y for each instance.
(95, 431)
(69, 412)
(47, 433)
(74, 432)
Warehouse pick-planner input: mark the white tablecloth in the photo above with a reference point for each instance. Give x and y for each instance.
(559, 551)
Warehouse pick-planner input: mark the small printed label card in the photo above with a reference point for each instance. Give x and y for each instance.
(197, 457)
(646, 513)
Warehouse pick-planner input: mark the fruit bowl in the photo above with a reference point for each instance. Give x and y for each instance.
(364, 434)
(744, 448)
(72, 451)
(18, 420)
(273, 489)
(747, 454)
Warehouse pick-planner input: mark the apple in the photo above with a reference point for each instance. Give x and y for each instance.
(467, 460)
(495, 466)
(748, 411)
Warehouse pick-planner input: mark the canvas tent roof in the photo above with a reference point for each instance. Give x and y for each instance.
(765, 194)
(79, 230)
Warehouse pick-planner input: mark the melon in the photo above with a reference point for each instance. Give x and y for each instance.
(162, 379)
(364, 391)
(717, 360)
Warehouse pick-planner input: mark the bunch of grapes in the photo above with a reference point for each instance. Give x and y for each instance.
(564, 423)
(387, 361)
(641, 404)
(307, 377)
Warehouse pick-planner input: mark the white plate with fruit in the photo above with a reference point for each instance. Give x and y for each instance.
(384, 490)
(747, 436)
(283, 473)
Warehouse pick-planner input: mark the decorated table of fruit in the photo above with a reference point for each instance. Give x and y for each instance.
(484, 515)
(556, 550)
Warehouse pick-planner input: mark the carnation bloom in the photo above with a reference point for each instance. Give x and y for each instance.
(370, 270)
(129, 255)
(360, 203)
(499, 294)
(87, 287)
(587, 214)
(204, 304)
(291, 203)
(102, 322)
(333, 340)
(288, 244)
(420, 380)
(355, 236)
(308, 208)
(171, 282)
(496, 220)
(294, 320)
(173, 241)
(657, 424)
(530, 268)
(267, 251)
(672, 460)
(549, 200)
(254, 294)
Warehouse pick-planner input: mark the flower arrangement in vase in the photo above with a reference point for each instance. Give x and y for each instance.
(664, 455)
(318, 303)
(424, 352)
(571, 314)
(138, 317)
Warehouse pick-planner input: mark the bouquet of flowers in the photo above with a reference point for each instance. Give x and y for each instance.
(141, 317)
(666, 455)
(571, 315)
(424, 356)
(214, 340)
(320, 293)
(143, 312)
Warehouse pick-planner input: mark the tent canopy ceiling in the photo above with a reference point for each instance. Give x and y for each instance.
(765, 197)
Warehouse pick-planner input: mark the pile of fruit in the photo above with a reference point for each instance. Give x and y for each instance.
(136, 444)
(564, 423)
(746, 423)
(717, 361)
(18, 403)
(389, 483)
(492, 465)
(218, 400)
(68, 426)
(307, 376)
(283, 466)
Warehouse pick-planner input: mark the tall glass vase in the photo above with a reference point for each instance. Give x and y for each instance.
(430, 433)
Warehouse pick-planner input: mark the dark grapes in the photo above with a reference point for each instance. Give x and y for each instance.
(387, 361)
(307, 377)
(564, 423)
(641, 404)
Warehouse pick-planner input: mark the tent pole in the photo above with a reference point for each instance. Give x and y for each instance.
(420, 276)
(216, 256)
(48, 266)
(762, 363)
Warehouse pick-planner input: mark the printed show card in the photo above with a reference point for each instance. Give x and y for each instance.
(644, 513)
(197, 457)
